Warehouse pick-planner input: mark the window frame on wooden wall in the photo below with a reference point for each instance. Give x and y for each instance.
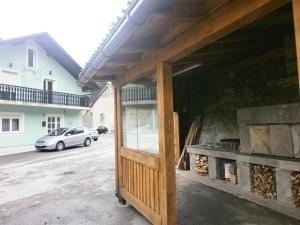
(152, 150)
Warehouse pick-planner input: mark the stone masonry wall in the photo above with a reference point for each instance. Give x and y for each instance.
(219, 96)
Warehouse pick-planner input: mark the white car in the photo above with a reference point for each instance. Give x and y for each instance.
(61, 138)
(94, 134)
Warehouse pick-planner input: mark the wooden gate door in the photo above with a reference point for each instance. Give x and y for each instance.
(147, 180)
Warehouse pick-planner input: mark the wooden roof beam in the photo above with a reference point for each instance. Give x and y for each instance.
(113, 70)
(175, 17)
(139, 47)
(224, 20)
(126, 60)
(232, 49)
(264, 37)
(104, 78)
(198, 7)
(256, 59)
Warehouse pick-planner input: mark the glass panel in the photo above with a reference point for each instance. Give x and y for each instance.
(53, 119)
(139, 115)
(79, 130)
(72, 132)
(58, 125)
(49, 119)
(5, 125)
(129, 125)
(58, 119)
(147, 128)
(15, 124)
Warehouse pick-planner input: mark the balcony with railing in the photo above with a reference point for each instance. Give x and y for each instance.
(139, 95)
(32, 95)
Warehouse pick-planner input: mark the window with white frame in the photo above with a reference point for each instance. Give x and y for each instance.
(11, 123)
(31, 58)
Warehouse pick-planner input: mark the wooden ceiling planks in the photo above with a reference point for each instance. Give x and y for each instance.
(113, 70)
(140, 46)
(165, 24)
(216, 26)
(123, 60)
(159, 36)
(256, 38)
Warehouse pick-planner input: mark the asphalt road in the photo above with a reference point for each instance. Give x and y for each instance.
(76, 186)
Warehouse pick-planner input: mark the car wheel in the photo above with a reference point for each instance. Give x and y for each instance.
(60, 146)
(95, 139)
(87, 142)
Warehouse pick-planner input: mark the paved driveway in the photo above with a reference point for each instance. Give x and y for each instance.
(76, 186)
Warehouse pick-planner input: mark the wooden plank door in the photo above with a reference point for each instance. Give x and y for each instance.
(147, 180)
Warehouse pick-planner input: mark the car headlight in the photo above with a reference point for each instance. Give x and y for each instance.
(48, 142)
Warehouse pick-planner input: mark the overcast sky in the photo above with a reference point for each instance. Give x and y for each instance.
(77, 25)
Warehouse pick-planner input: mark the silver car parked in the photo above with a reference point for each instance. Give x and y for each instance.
(64, 137)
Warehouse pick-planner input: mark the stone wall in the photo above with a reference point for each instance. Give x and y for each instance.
(219, 95)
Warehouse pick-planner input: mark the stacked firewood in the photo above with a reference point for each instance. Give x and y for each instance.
(263, 181)
(191, 139)
(201, 165)
(295, 180)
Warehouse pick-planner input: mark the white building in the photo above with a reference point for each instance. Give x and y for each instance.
(102, 110)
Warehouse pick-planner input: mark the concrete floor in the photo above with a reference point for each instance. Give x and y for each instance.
(76, 186)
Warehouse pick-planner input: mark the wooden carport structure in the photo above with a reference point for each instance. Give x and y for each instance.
(159, 37)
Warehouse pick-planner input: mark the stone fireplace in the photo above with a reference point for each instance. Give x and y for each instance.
(270, 130)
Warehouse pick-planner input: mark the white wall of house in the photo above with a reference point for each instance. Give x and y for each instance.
(102, 112)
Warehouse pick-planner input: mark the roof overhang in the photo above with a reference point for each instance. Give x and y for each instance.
(165, 31)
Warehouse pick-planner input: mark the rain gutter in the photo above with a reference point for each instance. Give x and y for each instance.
(132, 20)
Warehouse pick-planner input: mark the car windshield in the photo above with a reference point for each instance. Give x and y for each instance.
(58, 132)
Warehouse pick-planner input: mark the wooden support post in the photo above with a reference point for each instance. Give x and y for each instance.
(296, 12)
(166, 144)
(118, 141)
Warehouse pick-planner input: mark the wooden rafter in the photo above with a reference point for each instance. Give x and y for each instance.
(123, 61)
(198, 7)
(248, 38)
(256, 59)
(139, 47)
(175, 30)
(104, 78)
(217, 25)
(228, 50)
(174, 17)
(110, 71)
